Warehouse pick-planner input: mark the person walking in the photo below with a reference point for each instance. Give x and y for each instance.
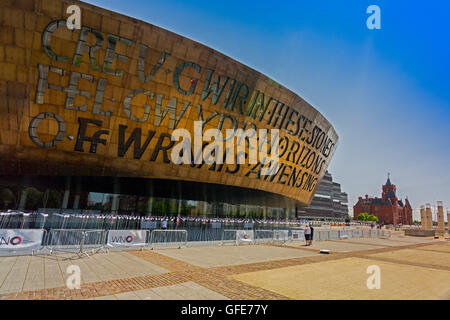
(312, 235)
(307, 234)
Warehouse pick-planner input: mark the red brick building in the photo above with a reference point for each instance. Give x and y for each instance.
(389, 209)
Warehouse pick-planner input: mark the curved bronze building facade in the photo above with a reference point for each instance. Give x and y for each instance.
(88, 113)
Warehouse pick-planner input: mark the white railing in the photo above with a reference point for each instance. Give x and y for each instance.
(76, 241)
(164, 238)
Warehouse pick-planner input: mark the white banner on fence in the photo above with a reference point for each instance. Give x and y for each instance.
(280, 235)
(298, 235)
(126, 238)
(244, 236)
(20, 239)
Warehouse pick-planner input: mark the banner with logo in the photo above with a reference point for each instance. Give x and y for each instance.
(126, 238)
(298, 235)
(20, 239)
(244, 236)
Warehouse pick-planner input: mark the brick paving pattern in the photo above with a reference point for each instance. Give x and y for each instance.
(221, 279)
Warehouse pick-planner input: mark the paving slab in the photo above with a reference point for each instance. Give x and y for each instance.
(208, 257)
(380, 242)
(433, 258)
(347, 279)
(238, 272)
(184, 291)
(28, 273)
(148, 294)
(127, 296)
(111, 297)
(15, 275)
(410, 239)
(436, 247)
(334, 246)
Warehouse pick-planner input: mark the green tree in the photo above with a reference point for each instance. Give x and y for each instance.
(34, 198)
(51, 199)
(6, 198)
(367, 217)
(362, 216)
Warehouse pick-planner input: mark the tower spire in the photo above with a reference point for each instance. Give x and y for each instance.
(388, 182)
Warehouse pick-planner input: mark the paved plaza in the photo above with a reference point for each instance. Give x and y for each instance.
(411, 268)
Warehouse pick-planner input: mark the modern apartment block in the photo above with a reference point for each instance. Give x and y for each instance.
(328, 202)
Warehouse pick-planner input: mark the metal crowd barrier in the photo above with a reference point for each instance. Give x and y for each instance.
(205, 236)
(384, 234)
(228, 236)
(76, 241)
(323, 235)
(264, 236)
(163, 238)
(357, 233)
(333, 234)
(81, 241)
(344, 234)
(280, 236)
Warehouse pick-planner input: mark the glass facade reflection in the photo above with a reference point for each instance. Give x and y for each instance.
(141, 197)
(156, 206)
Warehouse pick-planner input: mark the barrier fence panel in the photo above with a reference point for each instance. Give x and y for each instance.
(64, 239)
(205, 236)
(298, 235)
(21, 241)
(333, 234)
(280, 236)
(357, 233)
(385, 234)
(76, 240)
(344, 234)
(322, 235)
(127, 239)
(163, 238)
(228, 236)
(24, 241)
(21, 220)
(264, 236)
(366, 233)
(94, 240)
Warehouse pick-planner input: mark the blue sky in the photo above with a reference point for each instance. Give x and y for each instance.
(386, 92)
